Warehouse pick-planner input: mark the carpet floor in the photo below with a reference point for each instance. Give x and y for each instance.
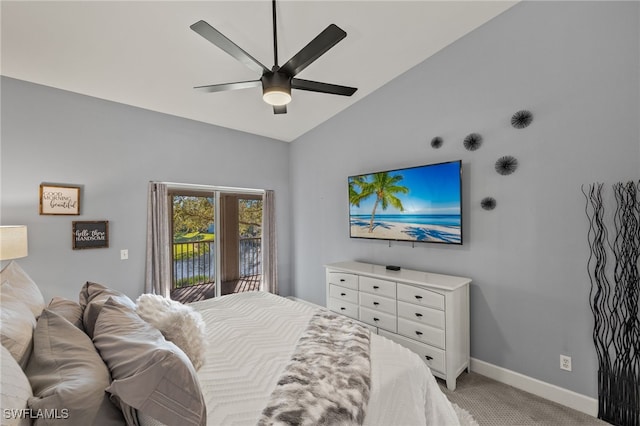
(492, 403)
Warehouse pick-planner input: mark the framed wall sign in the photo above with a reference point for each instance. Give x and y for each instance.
(90, 234)
(57, 199)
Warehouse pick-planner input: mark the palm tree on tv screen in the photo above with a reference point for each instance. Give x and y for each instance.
(384, 187)
(354, 196)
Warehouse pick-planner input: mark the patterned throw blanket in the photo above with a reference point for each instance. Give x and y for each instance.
(328, 379)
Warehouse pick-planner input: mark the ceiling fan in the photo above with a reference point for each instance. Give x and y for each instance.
(278, 81)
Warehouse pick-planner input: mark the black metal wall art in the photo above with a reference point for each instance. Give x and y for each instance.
(613, 267)
(472, 142)
(436, 142)
(506, 165)
(521, 119)
(488, 203)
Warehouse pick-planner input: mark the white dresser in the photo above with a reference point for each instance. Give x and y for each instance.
(427, 313)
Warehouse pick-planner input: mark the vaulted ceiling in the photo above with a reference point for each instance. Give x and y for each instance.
(143, 53)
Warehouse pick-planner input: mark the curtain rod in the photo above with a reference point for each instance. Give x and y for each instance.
(177, 185)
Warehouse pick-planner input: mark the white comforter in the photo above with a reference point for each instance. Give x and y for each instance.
(251, 337)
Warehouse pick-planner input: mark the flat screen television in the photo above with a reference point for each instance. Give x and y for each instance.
(418, 204)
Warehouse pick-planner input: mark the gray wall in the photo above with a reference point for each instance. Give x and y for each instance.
(576, 66)
(113, 151)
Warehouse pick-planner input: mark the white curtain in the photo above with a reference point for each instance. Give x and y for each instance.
(269, 252)
(158, 267)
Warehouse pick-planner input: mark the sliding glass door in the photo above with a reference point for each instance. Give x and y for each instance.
(193, 245)
(217, 243)
(241, 242)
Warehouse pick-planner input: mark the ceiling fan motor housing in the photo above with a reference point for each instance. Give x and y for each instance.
(276, 88)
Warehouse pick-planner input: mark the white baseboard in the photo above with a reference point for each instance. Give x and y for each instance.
(537, 387)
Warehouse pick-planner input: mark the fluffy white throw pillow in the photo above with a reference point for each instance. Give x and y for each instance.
(178, 323)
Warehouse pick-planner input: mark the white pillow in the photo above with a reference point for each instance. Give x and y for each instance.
(178, 323)
(24, 287)
(15, 390)
(16, 325)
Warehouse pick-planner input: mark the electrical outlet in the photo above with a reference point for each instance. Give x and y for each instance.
(124, 254)
(565, 362)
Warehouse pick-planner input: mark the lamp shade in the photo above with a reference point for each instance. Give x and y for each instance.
(13, 242)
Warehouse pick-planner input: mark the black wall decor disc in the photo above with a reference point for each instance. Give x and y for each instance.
(436, 142)
(472, 141)
(521, 119)
(488, 203)
(506, 165)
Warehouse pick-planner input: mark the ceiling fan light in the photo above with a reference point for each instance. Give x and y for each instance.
(276, 88)
(277, 96)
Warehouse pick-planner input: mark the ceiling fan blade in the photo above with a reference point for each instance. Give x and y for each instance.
(279, 109)
(316, 86)
(229, 86)
(219, 39)
(312, 51)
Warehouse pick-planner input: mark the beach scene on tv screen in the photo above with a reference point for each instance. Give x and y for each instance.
(414, 204)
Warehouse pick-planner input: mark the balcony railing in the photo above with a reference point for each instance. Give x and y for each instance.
(194, 262)
(250, 257)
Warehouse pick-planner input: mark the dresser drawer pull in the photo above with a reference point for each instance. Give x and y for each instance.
(419, 333)
(418, 297)
(429, 358)
(376, 303)
(376, 319)
(375, 287)
(342, 280)
(343, 308)
(418, 314)
(343, 294)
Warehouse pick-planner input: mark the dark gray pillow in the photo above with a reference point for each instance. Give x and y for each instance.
(92, 297)
(67, 309)
(68, 376)
(150, 374)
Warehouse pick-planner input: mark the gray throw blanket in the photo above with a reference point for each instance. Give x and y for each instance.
(328, 379)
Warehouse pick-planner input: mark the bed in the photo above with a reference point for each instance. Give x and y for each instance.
(124, 370)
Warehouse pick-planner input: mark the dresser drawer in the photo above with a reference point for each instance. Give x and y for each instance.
(423, 333)
(377, 286)
(378, 303)
(343, 307)
(342, 293)
(420, 296)
(378, 319)
(433, 357)
(343, 280)
(421, 314)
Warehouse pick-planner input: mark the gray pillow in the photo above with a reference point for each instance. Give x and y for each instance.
(67, 309)
(68, 376)
(15, 390)
(92, 297)
(149, 373)
(24, 287)
(16, 325)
